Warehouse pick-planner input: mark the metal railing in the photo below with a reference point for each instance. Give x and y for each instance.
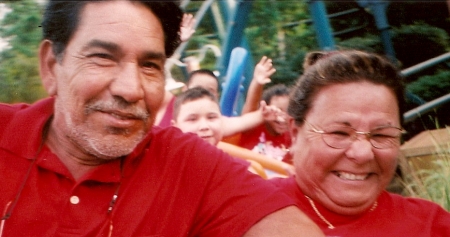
(424, 108)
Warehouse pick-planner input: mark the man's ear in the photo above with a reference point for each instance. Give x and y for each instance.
(47, 67)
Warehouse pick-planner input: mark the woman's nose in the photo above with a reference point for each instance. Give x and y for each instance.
(361, 150)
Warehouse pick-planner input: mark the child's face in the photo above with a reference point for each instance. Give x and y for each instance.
(202, 117)
(280, 102)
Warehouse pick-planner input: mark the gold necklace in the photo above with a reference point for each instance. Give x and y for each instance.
(331, 226)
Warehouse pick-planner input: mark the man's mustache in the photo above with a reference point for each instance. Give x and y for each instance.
(120, 107)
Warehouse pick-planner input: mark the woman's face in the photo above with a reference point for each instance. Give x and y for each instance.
(349, 180)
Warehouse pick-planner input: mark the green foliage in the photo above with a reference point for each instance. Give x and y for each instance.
(20, 80)
(368, 43)
(434, 13)
(432, 86)
(419, 42)
(19, 64)
(279, 30)
(355, 23)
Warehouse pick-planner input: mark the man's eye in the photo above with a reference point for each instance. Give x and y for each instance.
(101, 59)
(151, 66)
(100, 55)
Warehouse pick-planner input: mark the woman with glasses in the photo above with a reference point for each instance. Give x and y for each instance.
(346, 128)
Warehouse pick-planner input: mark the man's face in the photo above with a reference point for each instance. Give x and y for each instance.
(110, 80)
(202, 117)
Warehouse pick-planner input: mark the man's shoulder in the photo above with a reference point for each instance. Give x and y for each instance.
(287, 184)
(7, 111)
(172, 139)
(170, 135)
(172, 144)
(24, 121)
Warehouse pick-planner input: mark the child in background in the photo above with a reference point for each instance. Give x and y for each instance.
(271, 138)
(197, 111)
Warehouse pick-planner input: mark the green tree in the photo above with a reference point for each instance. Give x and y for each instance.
(277, 29)
(19, 81)
(419, 42)
(432, 86)
(281, 31)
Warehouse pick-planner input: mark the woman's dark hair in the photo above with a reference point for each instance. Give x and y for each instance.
(61, 19)
(322, 69)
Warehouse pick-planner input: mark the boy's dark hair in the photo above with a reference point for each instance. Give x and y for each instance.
(191, 95)
(61, 19)
(276, 90)
(205, 72)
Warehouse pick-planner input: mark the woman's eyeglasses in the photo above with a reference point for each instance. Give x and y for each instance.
(341, 137)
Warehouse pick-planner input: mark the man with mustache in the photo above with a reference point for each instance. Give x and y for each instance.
(87, 161)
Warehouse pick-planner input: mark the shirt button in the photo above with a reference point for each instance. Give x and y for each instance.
(74, 200)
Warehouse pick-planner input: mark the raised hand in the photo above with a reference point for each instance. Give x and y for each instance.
(187, 27)
(272, 113)
(263, 71)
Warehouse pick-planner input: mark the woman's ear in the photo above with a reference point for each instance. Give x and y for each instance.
(47, 67)
(293, 129)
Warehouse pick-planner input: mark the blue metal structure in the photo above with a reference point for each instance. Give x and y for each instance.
(378, 9)
(234, 67)
(324, 30)
(235, 14)
(237, 20)
(321, 24)
(425, 106)
(233, 81)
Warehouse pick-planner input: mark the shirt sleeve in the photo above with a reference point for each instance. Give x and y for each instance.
(236, 199)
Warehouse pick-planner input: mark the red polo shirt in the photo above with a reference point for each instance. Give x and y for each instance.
(394, 215)
(173, 184)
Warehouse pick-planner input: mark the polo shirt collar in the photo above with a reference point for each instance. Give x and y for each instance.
(23, 134)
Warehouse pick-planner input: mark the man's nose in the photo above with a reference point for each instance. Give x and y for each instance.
(128, 83)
